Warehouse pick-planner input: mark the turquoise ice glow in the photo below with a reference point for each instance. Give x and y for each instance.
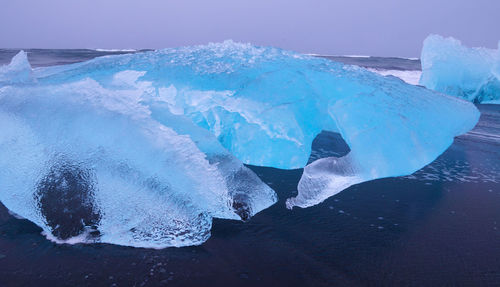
(469, 73)
(160, 137)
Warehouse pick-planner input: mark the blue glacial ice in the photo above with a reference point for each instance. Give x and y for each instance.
(469, 73)
(79, 159)
(144, 149)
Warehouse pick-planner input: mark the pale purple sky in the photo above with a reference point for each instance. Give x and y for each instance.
(361, 27)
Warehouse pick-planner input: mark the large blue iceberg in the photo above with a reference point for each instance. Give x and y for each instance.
(145, 149)
(472, 74)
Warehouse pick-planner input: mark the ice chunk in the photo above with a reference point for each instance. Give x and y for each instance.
(156, 136)
(264, 105)
(393, 131)
(77, 158)
(18, 71)
(453, 69)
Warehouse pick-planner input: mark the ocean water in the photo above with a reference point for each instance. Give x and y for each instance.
(47, 57)
(409, 70)
(439, 226)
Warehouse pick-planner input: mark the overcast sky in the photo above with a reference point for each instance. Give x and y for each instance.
(339, 27)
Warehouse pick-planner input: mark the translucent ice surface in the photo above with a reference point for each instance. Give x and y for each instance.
(80, 159)
(144, 149)
(469, 73)
(18, 71)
